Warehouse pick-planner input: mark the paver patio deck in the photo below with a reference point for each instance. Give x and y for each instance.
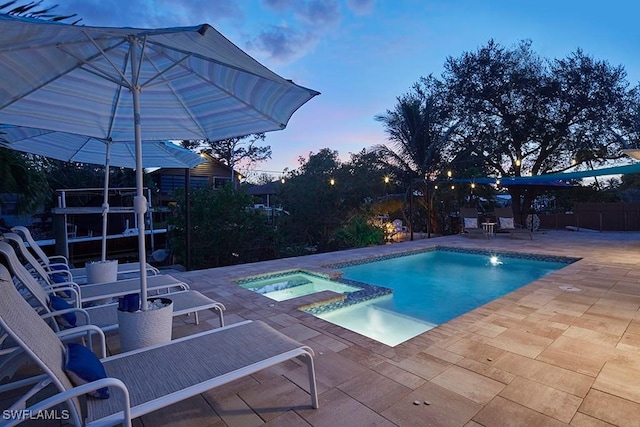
(540, 355)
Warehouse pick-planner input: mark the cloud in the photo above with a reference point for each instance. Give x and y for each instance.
(304, 21)
(150, 13)
(279, 5)
(315, 12)
(282, 44)
(318, 12)
(360, 7)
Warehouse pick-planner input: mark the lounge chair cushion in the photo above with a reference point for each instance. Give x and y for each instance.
(471, 223)
(67, 320)
(83, 366)
(506, 223)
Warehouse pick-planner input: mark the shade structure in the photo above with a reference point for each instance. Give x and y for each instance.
(130, 84)
(69, 147)
(554, 179)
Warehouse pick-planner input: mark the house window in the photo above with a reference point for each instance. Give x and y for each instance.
(198, 181)
(168, 183)
(220, 182)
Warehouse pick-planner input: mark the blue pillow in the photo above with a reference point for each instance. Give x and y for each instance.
(83, 366)
(59, 267)
(59, 278)
(67, 320)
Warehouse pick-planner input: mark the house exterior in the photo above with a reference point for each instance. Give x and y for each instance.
(212, 173)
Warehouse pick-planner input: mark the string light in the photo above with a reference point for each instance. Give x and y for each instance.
(332, 181)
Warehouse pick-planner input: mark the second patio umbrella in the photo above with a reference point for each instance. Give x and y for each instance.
(82, 149)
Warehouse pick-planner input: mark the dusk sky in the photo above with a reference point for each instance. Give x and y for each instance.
(362, 54)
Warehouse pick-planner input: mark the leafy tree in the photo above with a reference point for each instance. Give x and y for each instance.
(520, 114)
(19, 174)
(224, 230)
(232, 151)
(314, 204)
(358, 232)
(326, 198)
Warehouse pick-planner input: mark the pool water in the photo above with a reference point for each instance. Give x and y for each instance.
(294, 285)
(432, 288)
(373, 320)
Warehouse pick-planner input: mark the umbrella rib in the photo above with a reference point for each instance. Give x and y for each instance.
(72, 158)
(54, 78)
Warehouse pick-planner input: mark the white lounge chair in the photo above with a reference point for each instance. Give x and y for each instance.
(470, 225)
(106, 316)
(507, 223)
(51, 263)
(93, 292)
(142, 381)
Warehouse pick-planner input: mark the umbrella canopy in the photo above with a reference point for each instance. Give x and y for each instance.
(129, 84)
(193, 83)
(69, 147)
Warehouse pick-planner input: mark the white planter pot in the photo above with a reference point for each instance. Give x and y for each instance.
(102, 271)
(140, 329)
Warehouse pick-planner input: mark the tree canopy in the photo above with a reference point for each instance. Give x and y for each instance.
(506, 111)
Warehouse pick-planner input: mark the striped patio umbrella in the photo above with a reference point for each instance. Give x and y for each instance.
(129, 84)
(69, 147)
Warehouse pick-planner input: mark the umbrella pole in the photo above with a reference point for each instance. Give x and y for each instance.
(105, 202)
(140, 203)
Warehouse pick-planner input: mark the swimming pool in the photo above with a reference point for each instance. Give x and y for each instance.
(434, 287)
(285, 286)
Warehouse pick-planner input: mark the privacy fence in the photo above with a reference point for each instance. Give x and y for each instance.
(596, 216)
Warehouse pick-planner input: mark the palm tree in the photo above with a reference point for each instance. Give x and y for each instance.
(418, 130)
(33, 9)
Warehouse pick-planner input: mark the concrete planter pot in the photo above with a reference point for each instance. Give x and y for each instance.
(140, 329)
(102, 271)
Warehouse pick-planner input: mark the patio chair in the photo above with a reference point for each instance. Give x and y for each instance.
(57, 262)
(507, 223)
(104, 316)
(398, 228)
(91, 293)
(470, 226)
(142, 381)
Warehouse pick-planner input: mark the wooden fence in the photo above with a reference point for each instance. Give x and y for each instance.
(596, 216)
